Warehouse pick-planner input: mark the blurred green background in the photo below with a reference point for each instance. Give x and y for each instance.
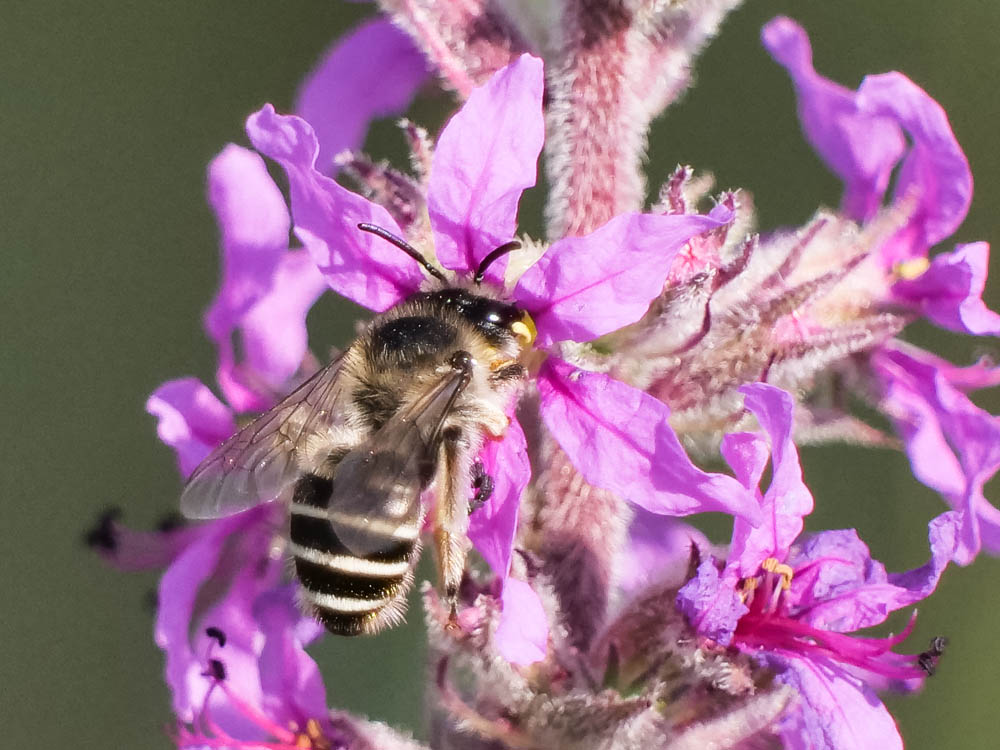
(110, 111)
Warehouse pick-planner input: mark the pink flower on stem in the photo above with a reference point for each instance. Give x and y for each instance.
(791, 599)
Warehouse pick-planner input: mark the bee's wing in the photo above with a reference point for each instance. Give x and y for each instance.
(377, 486)
(262, 460)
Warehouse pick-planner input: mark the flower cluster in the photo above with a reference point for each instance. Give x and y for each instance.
(615, 624)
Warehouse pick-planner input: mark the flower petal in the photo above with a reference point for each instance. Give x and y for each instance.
(935, 169)
(711, 603)
(585, 287)
(839, 587)
(522, 635)
(950, 291)
(659, 548)
(861, 147)
(274, 330)
(619, 439)
(953, 445)
(837, 711)
(484, 159)
(254, 224)
(492, 527)
(192, 420)
(292, 689)
(787, 500)
(373, 71)
(180, 627)
(356, 264)
(860, 137)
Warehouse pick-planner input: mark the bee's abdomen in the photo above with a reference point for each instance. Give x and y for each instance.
(345, 589)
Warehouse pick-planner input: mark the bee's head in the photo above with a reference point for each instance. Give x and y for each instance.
(500, 322)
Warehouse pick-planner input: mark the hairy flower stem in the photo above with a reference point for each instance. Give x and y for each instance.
(594, 145)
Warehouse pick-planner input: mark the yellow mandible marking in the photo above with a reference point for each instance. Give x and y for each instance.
(524, 330)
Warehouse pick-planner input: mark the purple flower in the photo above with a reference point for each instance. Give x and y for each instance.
(230, 561)
(862, 136)
(267, 289)
(373, 71)
(255, 683)
(791, 600)
(223, 582)
(580, 288)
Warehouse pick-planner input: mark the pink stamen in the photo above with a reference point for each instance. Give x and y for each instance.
(780, 633)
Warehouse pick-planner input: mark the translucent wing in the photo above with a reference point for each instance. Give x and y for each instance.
(377, 486)
(262, 460)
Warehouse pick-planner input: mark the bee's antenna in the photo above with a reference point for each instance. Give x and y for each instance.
(405, 246)
(492, 256)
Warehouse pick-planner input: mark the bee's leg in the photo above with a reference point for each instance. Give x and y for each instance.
(451, 515)
(502, 371)
(482, 485)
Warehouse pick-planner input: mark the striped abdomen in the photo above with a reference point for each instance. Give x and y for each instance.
(350, 593)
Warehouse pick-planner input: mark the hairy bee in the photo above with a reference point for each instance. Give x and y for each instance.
(407, 405)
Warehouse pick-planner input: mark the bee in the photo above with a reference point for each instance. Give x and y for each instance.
(351, 451)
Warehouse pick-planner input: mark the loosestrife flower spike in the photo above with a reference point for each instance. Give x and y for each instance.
(648, 329)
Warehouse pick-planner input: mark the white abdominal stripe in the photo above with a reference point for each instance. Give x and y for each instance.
(406, 532)
(343, 604)
(357, 566)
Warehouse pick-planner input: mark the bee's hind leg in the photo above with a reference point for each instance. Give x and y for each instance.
(451, 515)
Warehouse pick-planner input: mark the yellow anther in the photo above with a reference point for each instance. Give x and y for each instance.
(747, 588)
(911, 269)
(524, 330)
(771, 565)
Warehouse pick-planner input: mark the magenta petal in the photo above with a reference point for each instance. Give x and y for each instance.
(659, 548)
(291, 684)
(180, 625)
(371, 72)
(274, 330)
(585, 287)
(982, 374)
(747, 455)
(935, 169)
(356, 264)
(711, 604)
(254, 224)
(522, 635)
(484, 159)
(953, 445)
(861, 147)
(836, 711)
(919, 583)
(492, 527)
(192, 420)
(619, 439)
(950, 291)
(839, 587)
(787, 500)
